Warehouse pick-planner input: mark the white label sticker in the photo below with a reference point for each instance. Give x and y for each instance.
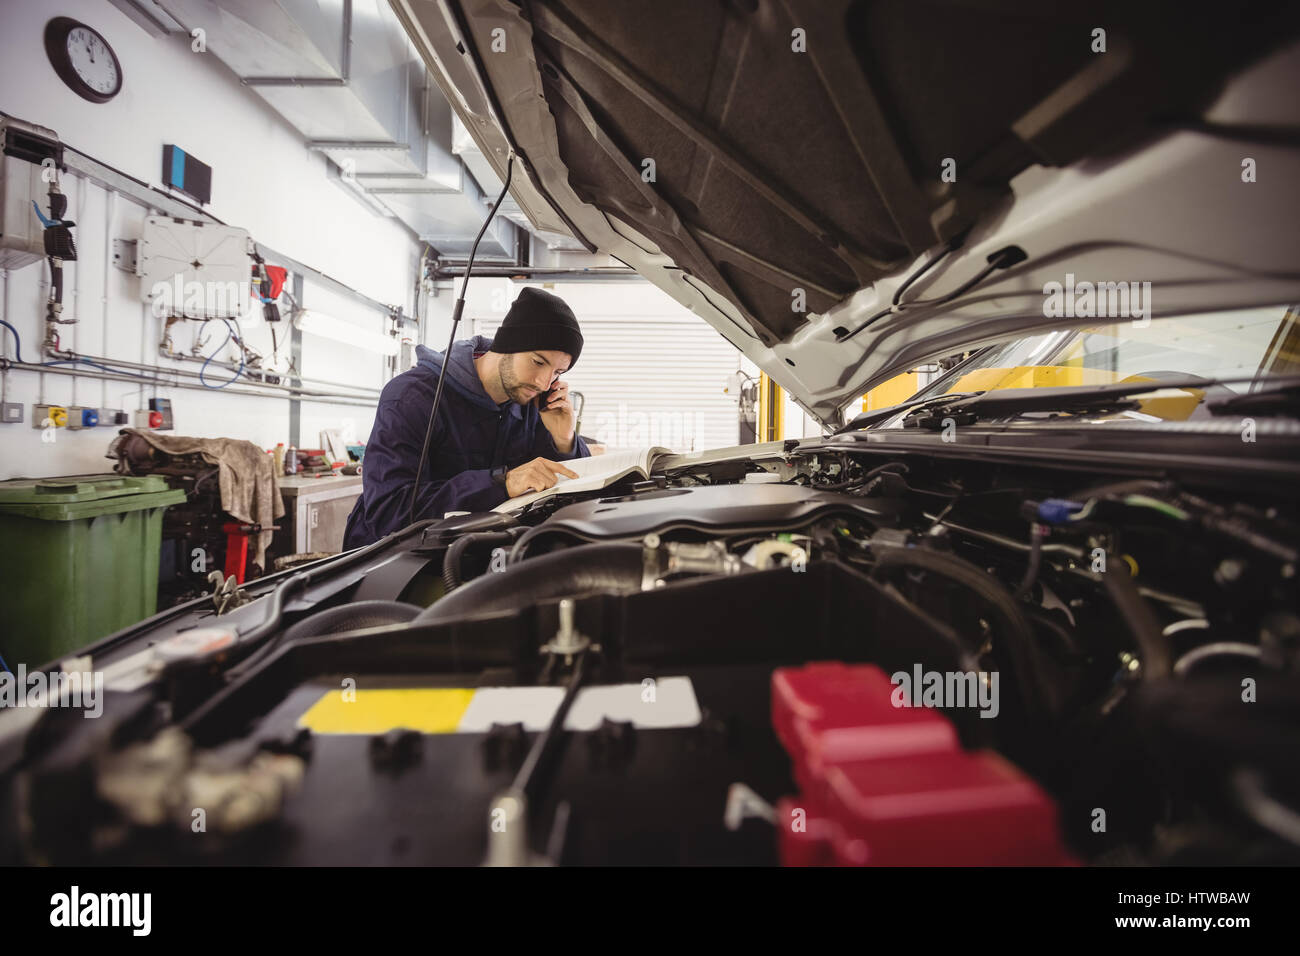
(673, 704)
(534, 707)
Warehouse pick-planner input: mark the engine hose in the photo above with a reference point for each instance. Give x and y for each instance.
(876, 472)
(1193, 657)
(1157, 658)
(589, 568)
(1016, 633)
(352, 617)
(451, 562)
(274, 614)
(1066, 640)
(1035, 561)
(248, 647)
(346, 617)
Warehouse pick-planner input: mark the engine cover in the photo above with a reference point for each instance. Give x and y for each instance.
(712, 508)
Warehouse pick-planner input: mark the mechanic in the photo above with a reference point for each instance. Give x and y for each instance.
(491, 441)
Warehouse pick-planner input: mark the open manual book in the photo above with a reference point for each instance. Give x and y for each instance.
(594, 473)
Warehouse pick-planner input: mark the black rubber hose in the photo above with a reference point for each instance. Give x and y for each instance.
(586, 569)
(1016, 633)
(862, 479)
(1157, 658)
(352, 617)
(346, 617)
(1035, 561)
(1062, 633)
(274, 612)
(444, 531)
(451, 561)
(247, 647)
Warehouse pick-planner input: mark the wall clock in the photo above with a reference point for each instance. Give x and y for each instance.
(83, 59)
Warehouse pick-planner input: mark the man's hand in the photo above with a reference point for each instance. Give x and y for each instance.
(536, 475)
(557, 416)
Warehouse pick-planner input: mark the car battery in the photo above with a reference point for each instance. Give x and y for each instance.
(887, 785)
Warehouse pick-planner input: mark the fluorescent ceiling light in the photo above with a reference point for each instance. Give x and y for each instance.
(326, 326)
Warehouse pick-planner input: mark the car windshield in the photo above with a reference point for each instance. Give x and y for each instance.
(1248, 346)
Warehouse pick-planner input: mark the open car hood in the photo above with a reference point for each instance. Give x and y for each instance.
(782, 167)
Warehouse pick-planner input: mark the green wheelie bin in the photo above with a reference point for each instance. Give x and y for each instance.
(79, 560)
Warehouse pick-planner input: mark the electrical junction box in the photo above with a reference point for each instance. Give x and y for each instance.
(47, 416)
(113, 416)
(11, 413)
(81, 417)
(24, 151)
(197, 270)
(163, 406)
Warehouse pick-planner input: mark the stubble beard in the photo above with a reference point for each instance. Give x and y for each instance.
(517, 392)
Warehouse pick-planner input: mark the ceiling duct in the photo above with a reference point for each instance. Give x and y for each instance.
(345, 74)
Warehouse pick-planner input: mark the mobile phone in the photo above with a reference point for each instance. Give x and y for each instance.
(544, 398)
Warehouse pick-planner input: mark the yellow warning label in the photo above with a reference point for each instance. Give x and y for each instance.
(470, 710)
(425, 709)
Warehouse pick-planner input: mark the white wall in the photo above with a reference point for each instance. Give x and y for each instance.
(264, 180)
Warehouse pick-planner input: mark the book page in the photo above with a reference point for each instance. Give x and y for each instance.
(594, 473)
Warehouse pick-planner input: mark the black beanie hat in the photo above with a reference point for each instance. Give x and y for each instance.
(542, 321)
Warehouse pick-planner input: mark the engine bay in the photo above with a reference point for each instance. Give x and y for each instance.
(828, 652)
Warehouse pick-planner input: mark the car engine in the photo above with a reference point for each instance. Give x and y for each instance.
(745, 659)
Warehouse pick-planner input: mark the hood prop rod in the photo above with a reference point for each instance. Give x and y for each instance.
(455, 321)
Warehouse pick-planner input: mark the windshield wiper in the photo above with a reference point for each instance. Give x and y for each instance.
(1009, 402)
(866, 419)
(1284, 401)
